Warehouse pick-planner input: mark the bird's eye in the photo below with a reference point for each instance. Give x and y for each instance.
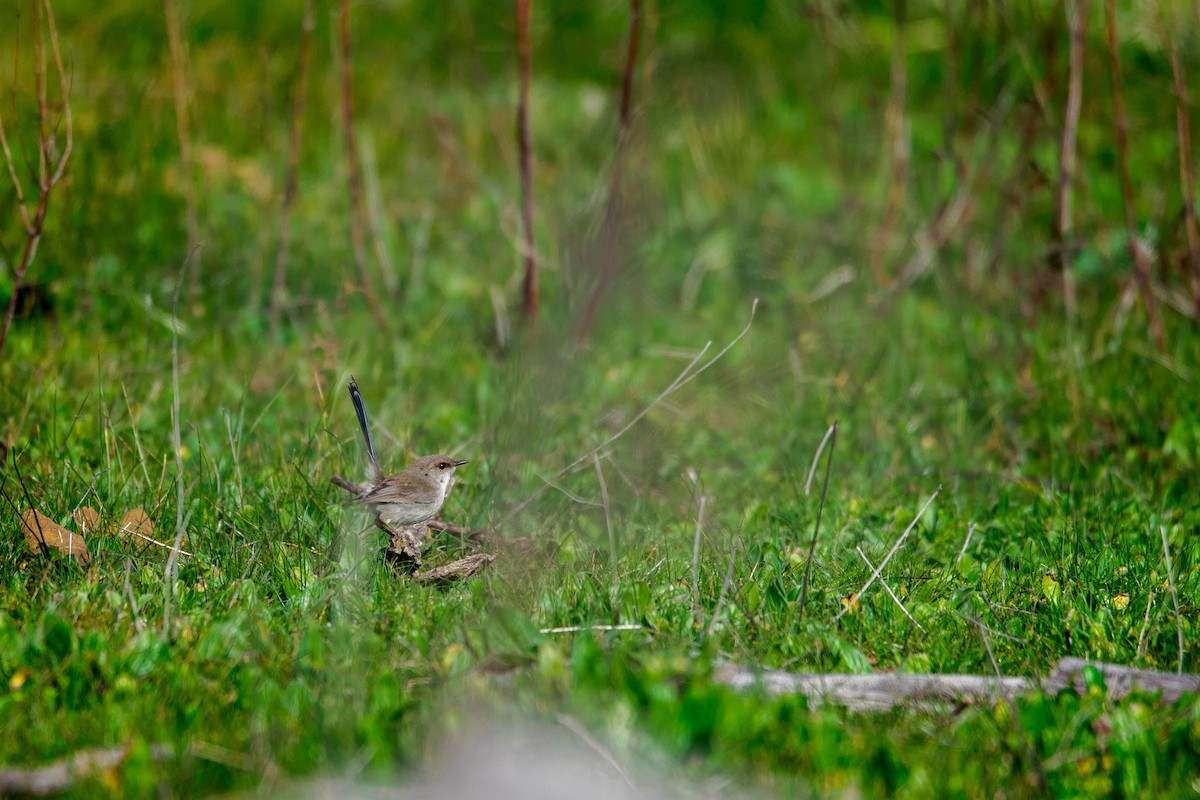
(443, 465)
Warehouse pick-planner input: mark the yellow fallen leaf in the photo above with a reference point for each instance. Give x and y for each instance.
(1120, 602)
(41, 530)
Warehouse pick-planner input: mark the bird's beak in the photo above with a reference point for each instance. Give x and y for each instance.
(460, 463)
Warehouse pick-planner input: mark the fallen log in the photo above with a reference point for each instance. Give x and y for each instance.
(881, 691)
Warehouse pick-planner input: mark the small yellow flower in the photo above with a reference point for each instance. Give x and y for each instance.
(18, 679)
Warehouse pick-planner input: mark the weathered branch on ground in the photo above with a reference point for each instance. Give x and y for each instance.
(881, 691)
(459, 570)
(61, 775)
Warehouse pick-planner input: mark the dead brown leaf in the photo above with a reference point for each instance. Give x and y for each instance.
(88, 520)
(40, 529)
(138, 527)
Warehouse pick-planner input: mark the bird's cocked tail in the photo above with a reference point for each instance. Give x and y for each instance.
(374, 472)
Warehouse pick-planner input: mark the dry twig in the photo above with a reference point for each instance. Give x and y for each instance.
(683, 379)
(875, 575)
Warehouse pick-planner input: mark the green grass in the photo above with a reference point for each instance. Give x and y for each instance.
(1063, 446)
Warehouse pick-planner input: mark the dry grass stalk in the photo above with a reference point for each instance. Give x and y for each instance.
(1174, 596)
(896, 125)
(295, 141)
(183, 127)
(609, 261)
(690, 373)
(524, 68)
(1141, 264)
(1187, 166)
(1063, 220)
(358, 212)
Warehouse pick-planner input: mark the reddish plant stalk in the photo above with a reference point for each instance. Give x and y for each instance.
(51, 164)
(524, 67)
(295, 141)
(354, 172)
(1187, 173)
(179, 87)
(1141, 267)
(608, 264)
(1063, 219)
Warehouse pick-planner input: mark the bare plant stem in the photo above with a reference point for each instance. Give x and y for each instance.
(1077, 23)
(897, 128)
(610, 264)
(171, 571)
(1174, 595)
(295, 140)
(353, 170)
(1141, 267)
(696, 563)
(1187, 167)
(812, 549)
(183, 127)
(51, 163)
(524, 67)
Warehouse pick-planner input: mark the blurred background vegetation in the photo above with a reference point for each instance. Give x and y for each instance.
(844, 162)
(886, 178)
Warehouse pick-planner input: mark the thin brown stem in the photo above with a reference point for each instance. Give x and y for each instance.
(1141, 265)
(179, 86)
(1063, 220)
(52, 164)
(295, 141)
(354, 176)
(897, 127)
(1187, 167)
(608, 263)
(524, 67)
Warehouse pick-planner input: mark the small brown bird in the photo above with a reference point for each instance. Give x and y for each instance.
(411, 496)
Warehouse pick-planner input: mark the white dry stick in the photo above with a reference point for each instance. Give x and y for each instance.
(600, 628)
(1174, 596)
(696, 561)
(583, 501)
(817, 457)
(129, 531)
(966, 542)
(875, 575)
(684, 378)
(888, 589)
